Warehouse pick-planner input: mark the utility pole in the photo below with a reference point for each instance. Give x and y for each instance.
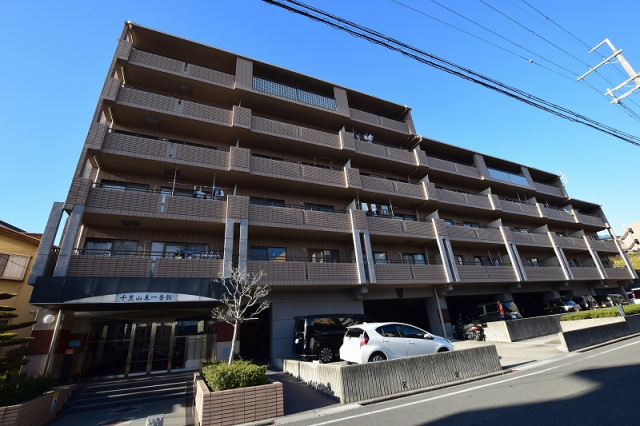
(633, 75)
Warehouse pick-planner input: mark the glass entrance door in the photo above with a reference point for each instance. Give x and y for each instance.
(150, 347)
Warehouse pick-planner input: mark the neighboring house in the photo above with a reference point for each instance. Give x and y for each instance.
(198, 160)
(17, 252)
(630, 240)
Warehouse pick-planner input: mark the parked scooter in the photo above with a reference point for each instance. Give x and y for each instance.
(463, 330)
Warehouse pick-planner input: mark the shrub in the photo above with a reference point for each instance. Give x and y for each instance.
(221, 376)
(602, 313)
(17, 389)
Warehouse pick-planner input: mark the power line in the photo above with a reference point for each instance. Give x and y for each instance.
(447, 66)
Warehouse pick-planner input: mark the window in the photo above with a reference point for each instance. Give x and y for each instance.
(13, 266)
(276, 254)
(401, 216)
(482, 260)
(179, 192)
(532, 261)
(124, 186)
(319, 207)
(324, 256)
(389, 330)
(573, 263)
(471, 224)
(521, 230)
(380, 257)
(458, 259)
(266, 202)
(448, 222)
(98, 247)
(413, 258)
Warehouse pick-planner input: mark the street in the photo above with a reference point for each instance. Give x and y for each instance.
(600, 386)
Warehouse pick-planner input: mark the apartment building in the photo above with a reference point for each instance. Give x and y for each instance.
(629, 240)
(198, 160)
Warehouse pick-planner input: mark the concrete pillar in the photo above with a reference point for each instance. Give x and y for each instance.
(228, 248)
(69, 241)
(369, 252)
(243, 244)
(439, 320)
(43, 256)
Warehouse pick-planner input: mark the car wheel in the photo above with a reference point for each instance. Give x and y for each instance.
(443, 350)
(325, 354)
(376, 357)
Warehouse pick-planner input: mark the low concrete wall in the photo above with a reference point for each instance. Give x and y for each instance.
(521, 329)
(578, 339)
(37, 411)
(633, 322)
(587, 323)
(350, 383)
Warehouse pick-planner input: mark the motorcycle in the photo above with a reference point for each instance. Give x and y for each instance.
(463, 330)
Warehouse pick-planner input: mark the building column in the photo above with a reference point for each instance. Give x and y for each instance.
(43, 256)
(514, 256)
(561, 257)
(439, 319)
(69, 241)
(228, 248)
(243, 244)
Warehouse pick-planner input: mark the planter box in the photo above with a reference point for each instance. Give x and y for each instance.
(37, 411)
(235, 406)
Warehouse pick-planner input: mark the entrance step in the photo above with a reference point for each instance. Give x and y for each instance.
(97, 394)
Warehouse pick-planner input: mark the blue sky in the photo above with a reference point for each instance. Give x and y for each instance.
(56, 55)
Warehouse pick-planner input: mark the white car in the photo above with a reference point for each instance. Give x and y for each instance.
(378, 341)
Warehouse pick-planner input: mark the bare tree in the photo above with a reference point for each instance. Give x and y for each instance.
(241, 300)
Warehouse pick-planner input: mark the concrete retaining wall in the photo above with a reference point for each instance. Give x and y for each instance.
(579, 339)
(350, 383)
(521, 329)
(633, 322)
(587, 323)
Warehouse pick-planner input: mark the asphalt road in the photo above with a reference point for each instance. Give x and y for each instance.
(598, 387)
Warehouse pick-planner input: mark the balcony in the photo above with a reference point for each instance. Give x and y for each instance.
(549, 189)
(556, 214)
(530, 239)
(543, 273)
(618, 273)
(452, 167)
(154, 204)
(397, 273)
(603, 245)
(583, 272)
(160, 149)
(281, 129)
(298, 217)
(147, 100)
(393, 187)
(521, 208)
(570, 242)
(289, 170)
(298, 273)
(377, 120)
(143, 266)
(463, 198)
(588, 219)
(400, 228)
(482, 273)
(382, 151)
(177, 67)
(465, 233)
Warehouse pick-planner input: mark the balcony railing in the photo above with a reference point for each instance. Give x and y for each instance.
(523, 208)
(584, 272)
(294, 272)
(398, 273)
(388, 186)
(544, 272)
(452, 166)
(176, 66)
(295, 170)
(149, 100)
(377, 120)
(282, 129)
(456, 197)
(618, 273)
(484, 273)
(299, 217)
(293, 93)
(570, 242)
(145, 146)
(603, 245)
(549, 189)
(383, 151)
(389, 225)
(558, 214)
(486, 234)
(590, 219)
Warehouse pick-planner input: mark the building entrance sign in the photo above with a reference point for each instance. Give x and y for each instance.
(145, 297)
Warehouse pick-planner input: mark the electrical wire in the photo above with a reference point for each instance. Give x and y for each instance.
(447, 66)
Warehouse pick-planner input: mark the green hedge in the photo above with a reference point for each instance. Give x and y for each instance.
(17, 389)
(602, 313)
(240, 374)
